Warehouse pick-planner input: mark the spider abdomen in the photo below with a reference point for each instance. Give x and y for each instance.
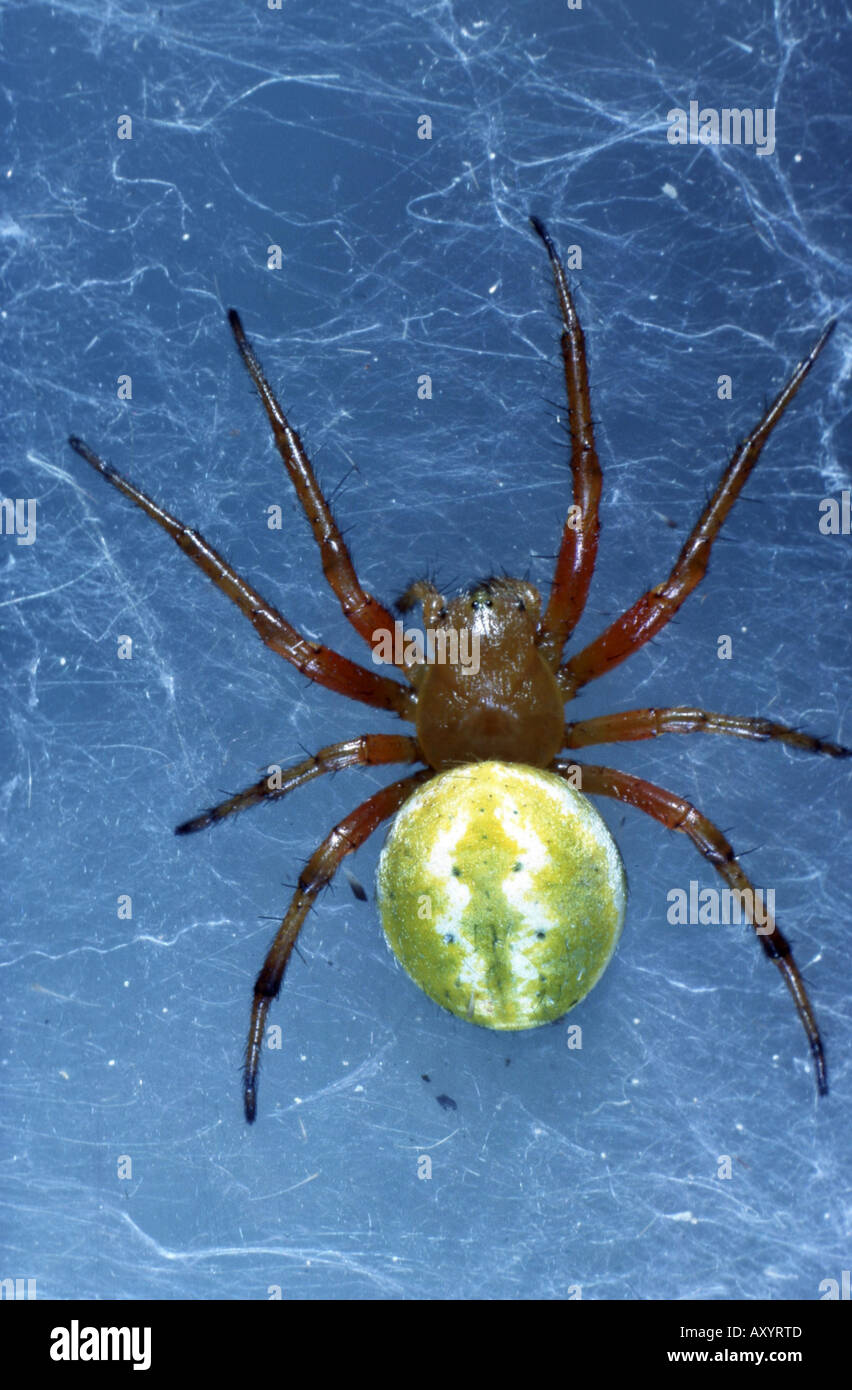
(502, 894)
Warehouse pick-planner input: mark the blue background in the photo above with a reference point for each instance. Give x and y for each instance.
(554, 1168)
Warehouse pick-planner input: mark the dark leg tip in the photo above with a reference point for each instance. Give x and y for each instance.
(250, 1103)
(188, 827)
(820, 1069)
(211, 816)
(80, 447)
(539, 227)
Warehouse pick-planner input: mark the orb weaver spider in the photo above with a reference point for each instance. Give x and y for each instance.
(510, 711)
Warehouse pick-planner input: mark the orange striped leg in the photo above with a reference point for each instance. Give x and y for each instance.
(576, 560)
(346, 836)
(677, 814)
(632, 724)
(318, 663)
(370, 750)
(364, 612)
(655, 608)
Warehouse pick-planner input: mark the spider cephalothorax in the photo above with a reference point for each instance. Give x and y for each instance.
(509, 708)
(499, 955)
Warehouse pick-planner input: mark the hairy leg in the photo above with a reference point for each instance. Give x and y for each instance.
(369, 750)
(317, 662)
(576, 560)
(678, 814)
(655, 608)
(363, 611)
(346, 836)
(633, 724)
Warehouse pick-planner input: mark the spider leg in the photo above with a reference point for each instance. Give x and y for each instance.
(655, 608)
(576, 560)
(317, 662)
(678, 814)
(346, 836)
(369, 750)
(363, 611)
(632, 724)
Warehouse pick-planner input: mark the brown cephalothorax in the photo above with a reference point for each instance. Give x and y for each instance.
(507, 705)
(510, 709)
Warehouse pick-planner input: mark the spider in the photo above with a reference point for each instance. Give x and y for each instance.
(511, 710)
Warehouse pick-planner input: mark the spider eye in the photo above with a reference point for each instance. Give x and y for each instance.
(522, 607)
